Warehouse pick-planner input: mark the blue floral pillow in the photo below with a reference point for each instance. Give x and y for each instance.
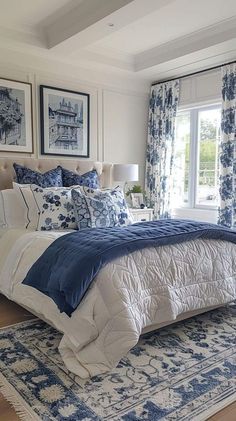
(89, 179)
(55, 209)
(51, 178)
(116, 196)
(94, 213)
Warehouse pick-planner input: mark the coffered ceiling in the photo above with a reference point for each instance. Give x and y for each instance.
(148, 39)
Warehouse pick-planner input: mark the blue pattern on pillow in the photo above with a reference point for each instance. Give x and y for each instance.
(89, 179)
(51, 178)
(116, 196)
(55, 209)
(92, 212)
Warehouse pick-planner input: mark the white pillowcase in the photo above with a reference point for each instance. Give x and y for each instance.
(55, 208)
(27, 201)
(33, 207)
(12, 212)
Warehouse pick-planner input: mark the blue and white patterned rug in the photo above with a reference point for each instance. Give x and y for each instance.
(184, 372)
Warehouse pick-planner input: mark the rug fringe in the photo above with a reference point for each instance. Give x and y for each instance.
(21, 407)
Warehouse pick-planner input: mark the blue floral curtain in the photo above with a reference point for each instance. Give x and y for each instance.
(160, 147)
(227, 211)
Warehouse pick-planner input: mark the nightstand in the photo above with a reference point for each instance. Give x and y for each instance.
(141, 215)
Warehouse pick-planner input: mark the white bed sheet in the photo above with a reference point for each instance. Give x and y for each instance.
(147, 287)
(2, 232)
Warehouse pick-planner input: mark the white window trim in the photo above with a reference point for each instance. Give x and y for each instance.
(210, 212)
(207, 215)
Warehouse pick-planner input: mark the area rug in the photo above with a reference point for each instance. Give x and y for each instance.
(184, 372)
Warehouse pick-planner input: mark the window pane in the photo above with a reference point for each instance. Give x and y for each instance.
(181, 159)
(208, 168)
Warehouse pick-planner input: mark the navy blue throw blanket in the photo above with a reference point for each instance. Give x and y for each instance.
(66, 269)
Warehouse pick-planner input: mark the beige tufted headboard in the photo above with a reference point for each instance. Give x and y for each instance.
(7, 173)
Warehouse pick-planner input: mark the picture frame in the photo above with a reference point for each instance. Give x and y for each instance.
(137, 199)
(16, 121)
(64, 122)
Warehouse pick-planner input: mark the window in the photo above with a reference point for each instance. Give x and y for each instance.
(196, 166)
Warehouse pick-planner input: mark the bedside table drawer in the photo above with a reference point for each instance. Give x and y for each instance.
(142, 215)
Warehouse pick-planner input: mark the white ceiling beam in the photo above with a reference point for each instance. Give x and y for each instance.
(89, 21)
(190, 44)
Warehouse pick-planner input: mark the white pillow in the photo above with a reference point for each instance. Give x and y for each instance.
(55, 208)
(12, 213)
(28, 201)
(2, 213)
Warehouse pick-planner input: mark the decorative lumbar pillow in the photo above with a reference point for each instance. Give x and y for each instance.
(89, 179)
(48, 179)
(92, 212)
(116, 195)
(55, 209)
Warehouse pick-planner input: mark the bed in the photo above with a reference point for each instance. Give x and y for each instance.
(133, 294)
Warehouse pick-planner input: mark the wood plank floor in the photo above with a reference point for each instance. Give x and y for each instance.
(11, 313)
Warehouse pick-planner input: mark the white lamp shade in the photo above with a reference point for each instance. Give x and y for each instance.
(125, 172)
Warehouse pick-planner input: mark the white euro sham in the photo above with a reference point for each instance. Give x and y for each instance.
(12, 212)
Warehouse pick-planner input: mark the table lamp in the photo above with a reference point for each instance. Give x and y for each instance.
(125, 172)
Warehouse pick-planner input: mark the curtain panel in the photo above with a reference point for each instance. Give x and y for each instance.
(227, 154)
(163, 105)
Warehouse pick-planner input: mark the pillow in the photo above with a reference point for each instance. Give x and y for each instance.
(12, 212)
(117, 197)
(55, 209)
(48, 179)
(94, 213)
(89, 179)
(27, 201)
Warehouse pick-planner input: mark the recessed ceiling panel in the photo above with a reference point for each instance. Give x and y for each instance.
(172, 21)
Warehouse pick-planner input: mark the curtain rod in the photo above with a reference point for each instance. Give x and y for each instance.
(194, 73)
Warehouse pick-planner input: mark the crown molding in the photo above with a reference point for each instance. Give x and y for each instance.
(184, 46)
(85, 25)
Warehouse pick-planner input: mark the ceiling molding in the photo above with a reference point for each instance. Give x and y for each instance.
(86, 24)
(86, 14)
(117, 61)
(35, 38)
(77, 33)
(193, 43)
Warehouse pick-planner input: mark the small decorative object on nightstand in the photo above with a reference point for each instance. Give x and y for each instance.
(141, 215)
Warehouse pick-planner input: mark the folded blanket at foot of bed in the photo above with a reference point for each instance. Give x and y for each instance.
(67, 268)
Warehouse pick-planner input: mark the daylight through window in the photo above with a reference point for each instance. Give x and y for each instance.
(196, 168)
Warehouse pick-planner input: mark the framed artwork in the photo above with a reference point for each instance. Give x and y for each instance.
(64, 122)
(16, 132)
(137, 199)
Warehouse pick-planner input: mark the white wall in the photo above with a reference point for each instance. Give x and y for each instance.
(118, 107)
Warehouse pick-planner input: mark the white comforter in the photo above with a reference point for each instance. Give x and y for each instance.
(151, 286)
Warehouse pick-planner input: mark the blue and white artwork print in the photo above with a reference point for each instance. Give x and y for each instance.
(64, 122)
(15, 116)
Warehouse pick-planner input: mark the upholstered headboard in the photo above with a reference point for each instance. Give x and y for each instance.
(7, 173)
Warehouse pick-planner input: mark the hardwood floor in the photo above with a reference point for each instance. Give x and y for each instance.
(11, 313)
